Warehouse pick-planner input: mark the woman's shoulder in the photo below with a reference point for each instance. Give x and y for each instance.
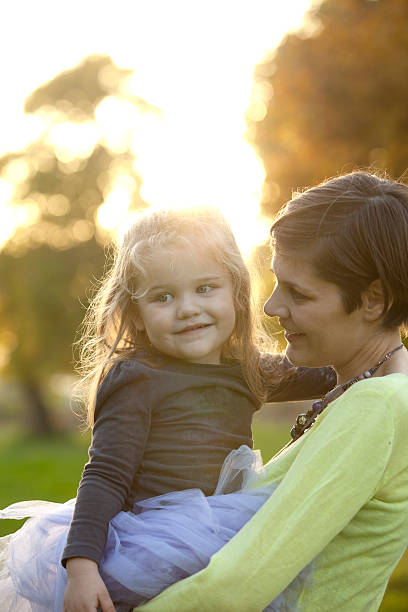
(380, 407)
(394, 391)
(370, 417)
(382, 397)
(388, 387)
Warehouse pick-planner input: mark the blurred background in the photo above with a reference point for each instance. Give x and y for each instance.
(107, 109)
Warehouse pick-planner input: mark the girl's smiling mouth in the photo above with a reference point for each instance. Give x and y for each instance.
(193, 328)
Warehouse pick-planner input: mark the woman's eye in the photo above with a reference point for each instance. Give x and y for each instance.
(298, 297)
(204, 288)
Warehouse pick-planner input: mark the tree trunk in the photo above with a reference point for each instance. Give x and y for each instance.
(39, 415)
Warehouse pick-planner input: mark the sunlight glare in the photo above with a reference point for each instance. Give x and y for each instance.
(117, 119)
(73, 140)
(193, 61)
(14, 214)
(115, 208)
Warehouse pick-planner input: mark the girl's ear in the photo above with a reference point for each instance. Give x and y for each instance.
(139, 322)
(373, 301)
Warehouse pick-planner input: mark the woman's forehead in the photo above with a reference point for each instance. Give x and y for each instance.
(296, 270)
(284, 264)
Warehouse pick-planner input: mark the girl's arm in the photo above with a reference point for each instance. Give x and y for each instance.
(86, 589)
(122, 424)
(297, 383)
(337, 470)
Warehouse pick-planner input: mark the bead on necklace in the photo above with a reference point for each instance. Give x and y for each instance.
(304, 421)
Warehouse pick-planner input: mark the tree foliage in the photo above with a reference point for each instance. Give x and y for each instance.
(47, 266)
(335, 98)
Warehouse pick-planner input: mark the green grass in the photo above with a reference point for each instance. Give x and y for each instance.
(40, 469)
(51, 469)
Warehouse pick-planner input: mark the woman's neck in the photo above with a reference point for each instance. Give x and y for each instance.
(400, 364)
(371, 353)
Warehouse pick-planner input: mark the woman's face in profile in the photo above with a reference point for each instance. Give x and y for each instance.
(317, 328)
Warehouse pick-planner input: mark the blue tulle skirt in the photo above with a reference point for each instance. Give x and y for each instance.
(163, 540)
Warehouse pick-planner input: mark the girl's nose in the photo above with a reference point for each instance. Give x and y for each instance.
(275, 306)
(188, 307)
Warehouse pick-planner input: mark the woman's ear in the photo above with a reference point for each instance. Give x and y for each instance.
(373, 301)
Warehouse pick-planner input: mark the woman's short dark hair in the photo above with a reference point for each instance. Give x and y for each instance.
(354, 230)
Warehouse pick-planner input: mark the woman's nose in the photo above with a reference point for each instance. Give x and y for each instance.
(275, 306)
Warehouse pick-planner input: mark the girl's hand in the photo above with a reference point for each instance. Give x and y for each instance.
(86, 591)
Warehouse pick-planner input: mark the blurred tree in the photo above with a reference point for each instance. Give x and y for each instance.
(60, 181)
(40, 310)
(333, 97)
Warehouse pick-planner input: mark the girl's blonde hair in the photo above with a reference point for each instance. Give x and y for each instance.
(109, 329)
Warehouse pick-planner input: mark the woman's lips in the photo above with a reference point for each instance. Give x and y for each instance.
(291, 337)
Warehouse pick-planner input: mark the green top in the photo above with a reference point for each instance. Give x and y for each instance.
(340, 511)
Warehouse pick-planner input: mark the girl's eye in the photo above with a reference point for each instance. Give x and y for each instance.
(204, 288)
(163, 297)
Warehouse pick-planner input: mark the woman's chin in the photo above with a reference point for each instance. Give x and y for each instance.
(293, 358)
(299, 358)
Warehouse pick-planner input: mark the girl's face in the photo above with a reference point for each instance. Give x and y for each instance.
(187, 310)
(318, 330)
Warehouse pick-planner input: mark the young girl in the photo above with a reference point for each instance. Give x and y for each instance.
(175, 377)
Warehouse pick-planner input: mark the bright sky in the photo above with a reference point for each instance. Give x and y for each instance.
(192, 58)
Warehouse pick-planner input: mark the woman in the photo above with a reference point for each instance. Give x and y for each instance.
(331, 534)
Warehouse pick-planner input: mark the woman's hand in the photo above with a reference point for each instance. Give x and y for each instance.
(86, 591)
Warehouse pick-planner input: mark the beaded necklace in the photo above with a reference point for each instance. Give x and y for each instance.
(304, 421)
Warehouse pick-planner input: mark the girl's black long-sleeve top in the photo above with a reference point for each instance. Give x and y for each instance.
(164, 425)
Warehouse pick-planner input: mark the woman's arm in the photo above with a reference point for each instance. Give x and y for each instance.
(337, 470)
